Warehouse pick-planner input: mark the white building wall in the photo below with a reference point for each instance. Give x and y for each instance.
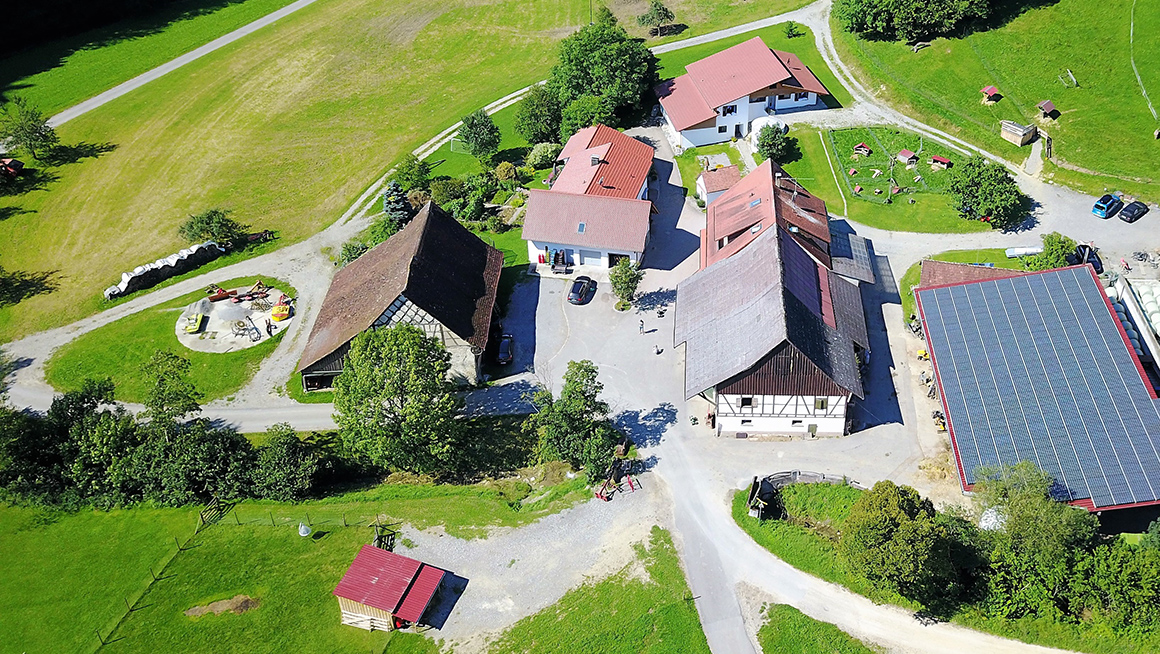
(788, 102)
(782, 414)
(575, 254)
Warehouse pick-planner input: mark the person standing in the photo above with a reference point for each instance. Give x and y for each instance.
(642, 326)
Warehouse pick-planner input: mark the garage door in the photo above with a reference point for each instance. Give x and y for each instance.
(589, 258)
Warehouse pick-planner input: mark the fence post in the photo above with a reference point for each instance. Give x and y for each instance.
(344, 519)
(271, 514)
(152, 574)
(99, 636)
(127, 607)
(177, 542)
(236, 519)
(308, 520)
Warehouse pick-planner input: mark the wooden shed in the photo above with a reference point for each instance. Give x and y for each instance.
(940, 163)
(382, 591)
(990, 94)
(907, 158)
(862, 149)
(1048, 108)
(1018, 134)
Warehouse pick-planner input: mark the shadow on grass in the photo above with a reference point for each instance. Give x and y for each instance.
(18, 285)
(668, 30)
(514, 156)
(12, 212)
(28, 27)
(70, 154)
(30, 179)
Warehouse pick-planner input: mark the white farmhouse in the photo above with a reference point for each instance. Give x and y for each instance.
(719, 96)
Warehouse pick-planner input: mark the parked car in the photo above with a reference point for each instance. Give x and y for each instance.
(1086, 254)
(1107, 206)
(1133, 212)
(583, 289)
(504, 351)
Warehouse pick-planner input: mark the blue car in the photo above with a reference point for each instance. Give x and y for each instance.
(1107, 206)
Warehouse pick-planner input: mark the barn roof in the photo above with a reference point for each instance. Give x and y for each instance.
(989, 91)
(390, 582)
(434, 261)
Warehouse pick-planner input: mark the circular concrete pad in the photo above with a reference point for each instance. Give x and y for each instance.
(217, 327)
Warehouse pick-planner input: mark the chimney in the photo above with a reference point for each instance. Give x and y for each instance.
(595, 160)
(601, 181)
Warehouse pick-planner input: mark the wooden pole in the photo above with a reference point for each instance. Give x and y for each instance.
(308, 520)
(271, 513)
(344, 519)
(127, 607)
(177, 542)
(152, 574)
(99, 637)
(236, 519)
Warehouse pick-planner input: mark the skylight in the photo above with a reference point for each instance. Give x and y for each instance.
(580, 229)
(755, 203)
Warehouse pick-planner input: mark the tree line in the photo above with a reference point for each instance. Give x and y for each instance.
(909, 20)
(1037, 558)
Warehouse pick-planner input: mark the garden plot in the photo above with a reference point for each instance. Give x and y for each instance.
(880, 174)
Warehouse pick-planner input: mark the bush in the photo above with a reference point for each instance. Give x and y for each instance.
(793, 30)
(543, 155)
(586, 111)
(286, 466)
(1056, 249)
(214, 225)
(418, 198)
(517, 201)
(412, 173)
(446, 189)
(495, 224)
(352, 250)
(505, 171)
(908, 20)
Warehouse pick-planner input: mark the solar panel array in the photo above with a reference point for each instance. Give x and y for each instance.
(1035, 368)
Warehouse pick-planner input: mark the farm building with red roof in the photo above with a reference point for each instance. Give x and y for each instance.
(719, 96)
(597, 210)
(382, 590)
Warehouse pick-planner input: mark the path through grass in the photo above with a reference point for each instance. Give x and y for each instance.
(119, 349)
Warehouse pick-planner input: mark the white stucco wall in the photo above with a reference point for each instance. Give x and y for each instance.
(808, 100)
(781, 414)
(579, 258)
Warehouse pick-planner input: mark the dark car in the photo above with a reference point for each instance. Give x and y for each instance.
(1086, 254)
(1107, 206)
(582, 290)
(503, 352)
(1133, 212)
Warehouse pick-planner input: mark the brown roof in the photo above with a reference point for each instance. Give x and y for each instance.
(756, 203)
(942, 273)
(803, 77)
(622, 163)
(609, 223)
(720, 179)
(434, 261)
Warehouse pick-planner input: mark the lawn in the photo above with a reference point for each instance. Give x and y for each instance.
(812, 170)
(789, 631)
(66, 576)
(285, 127)
(62, 73)
(1104, 123)
(996, 256)
(885, 143)
(672, 64)
(119, 349)
(629, 613)
(512, 147)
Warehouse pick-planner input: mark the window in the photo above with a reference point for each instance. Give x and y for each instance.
(746, 423)
(747, 401)
(758, 100)
(580, 229)
(722, 129)
(729, 110)
(820, 403)
(783, 96)
(796, 423)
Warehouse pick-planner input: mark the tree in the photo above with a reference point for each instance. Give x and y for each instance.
(986, 191)
(601, 58)
(194, 463)
(656, 16)
(481, 136)
(538, 115)
(396, 206)
(543, 155)
(394, 404)
(213, 225)
(286, 466)
(102, 469)
(412, 173)
(891, 536)
(27, 128)
(505, 171)
(1151, 538)
(604, 16)
(775, 144)
(625, 277)
(171, 395)
(585, 111)
(792, 30)
(908, 20)
(7, 367)
(1039, 545)
(575, 427)
(447, 189)
(1056, 249)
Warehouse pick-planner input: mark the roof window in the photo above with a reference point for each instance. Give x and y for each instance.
(755, 203)
(580, 229)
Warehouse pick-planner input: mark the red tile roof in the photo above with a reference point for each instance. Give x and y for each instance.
(941, 160)
(754, 204)
(610, 223)
(378, 578)
(944, 273)
(622, 168)
(803, 77)
(988, 91)
(720, 179)
(729, 75)
(905, 154)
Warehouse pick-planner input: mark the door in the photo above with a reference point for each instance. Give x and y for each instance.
(590, 258)
(614, 259)
(737, 131)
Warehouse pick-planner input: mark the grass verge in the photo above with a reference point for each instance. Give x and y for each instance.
(119, 349)
(690, 165)
(649, 613)
(995, 256)
(789, 631)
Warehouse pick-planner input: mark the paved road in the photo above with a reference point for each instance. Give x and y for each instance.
(170, 66)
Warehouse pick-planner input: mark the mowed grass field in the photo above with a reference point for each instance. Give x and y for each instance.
(63, 73)
(119, 349)
(285, 127)
(789, 631)
(1104, 124)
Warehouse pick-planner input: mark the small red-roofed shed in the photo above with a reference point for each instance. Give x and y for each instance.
(906, 157)
(990, 93)
(382, 590)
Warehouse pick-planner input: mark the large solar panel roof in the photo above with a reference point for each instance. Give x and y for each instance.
(1037, 368)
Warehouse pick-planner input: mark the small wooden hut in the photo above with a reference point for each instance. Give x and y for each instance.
(382, 590)
(1047, 108)
(1018, 134)
(990, 94)
(907, 158)
(862, 150)
(940, 163)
